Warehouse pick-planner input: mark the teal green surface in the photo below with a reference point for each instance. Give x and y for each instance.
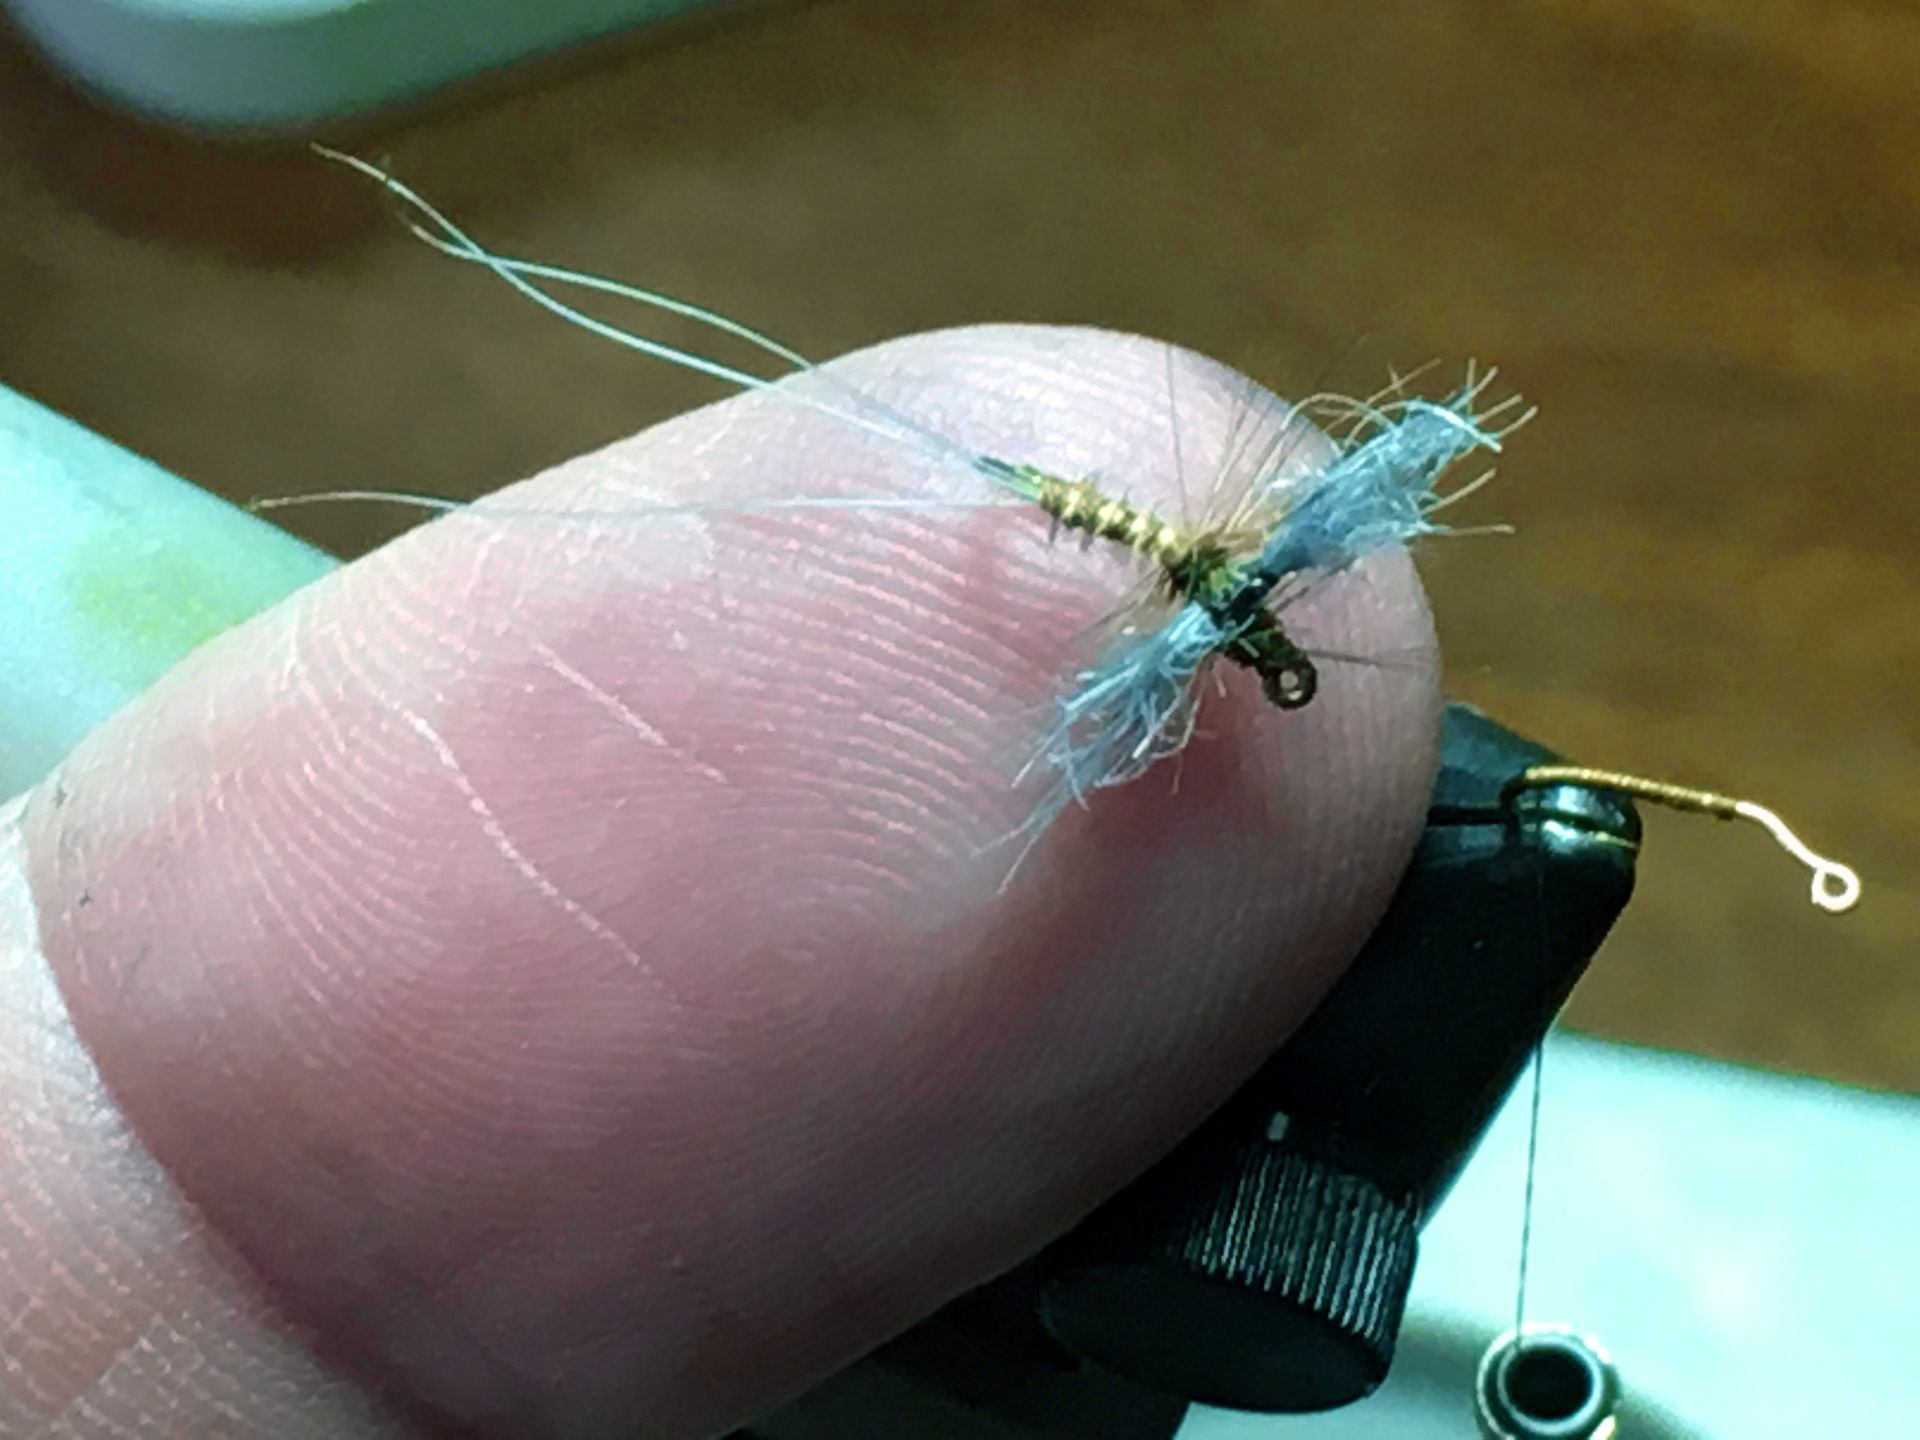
(111, 569)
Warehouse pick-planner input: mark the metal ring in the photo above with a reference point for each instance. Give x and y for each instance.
(1546, 1382)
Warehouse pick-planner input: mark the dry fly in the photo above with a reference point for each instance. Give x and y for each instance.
(1221, 587)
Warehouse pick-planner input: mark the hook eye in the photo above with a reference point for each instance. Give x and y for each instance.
(1292, 685)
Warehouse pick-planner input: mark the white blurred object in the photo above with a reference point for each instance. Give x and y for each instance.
(244, 64)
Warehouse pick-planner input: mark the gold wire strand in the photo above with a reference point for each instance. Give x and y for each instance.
(1836, 887)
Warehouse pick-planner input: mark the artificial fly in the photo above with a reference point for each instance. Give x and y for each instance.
(1222, 586)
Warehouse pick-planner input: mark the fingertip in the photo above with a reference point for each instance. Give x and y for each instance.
(548, 950)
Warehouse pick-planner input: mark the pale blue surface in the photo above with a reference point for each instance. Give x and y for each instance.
(111, 569)
(1743, 1244)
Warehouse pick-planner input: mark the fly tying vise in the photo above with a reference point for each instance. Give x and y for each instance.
(1227, 582)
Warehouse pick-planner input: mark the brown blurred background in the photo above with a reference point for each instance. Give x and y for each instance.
(1690, 230)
